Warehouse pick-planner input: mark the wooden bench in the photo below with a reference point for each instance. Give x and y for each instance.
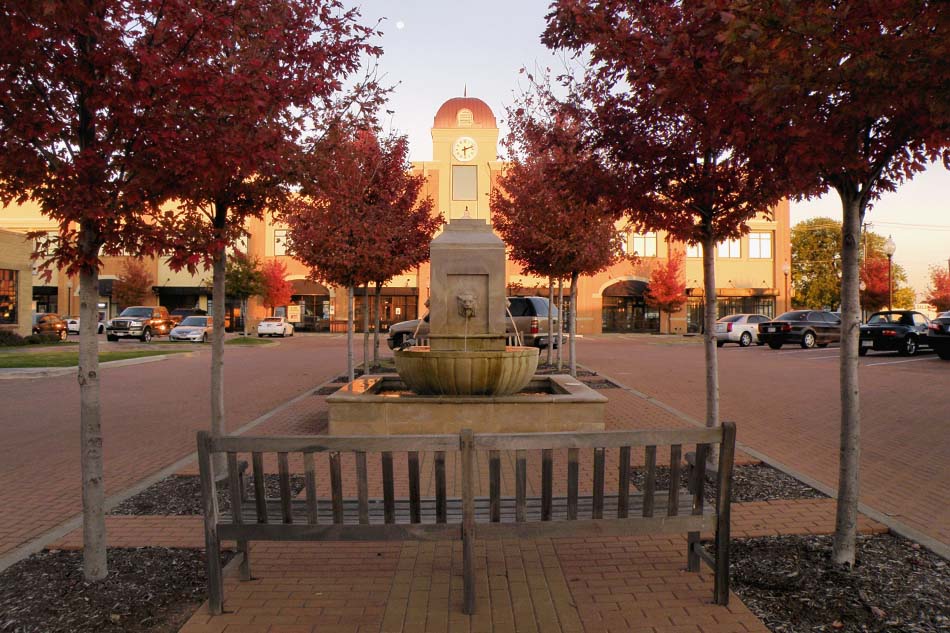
(465, 516)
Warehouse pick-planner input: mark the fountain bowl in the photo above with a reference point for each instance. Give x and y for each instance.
(462, 373)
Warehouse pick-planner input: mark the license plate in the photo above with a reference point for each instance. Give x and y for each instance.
(771, 329)
(867, 343)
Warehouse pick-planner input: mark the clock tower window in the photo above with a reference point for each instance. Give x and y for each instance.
(464, 182)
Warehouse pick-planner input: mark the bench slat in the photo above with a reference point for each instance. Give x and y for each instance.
(257, 465)
(334, 443)
(597, 439)
(311, 478)
(573, 469)
(521, 487)
(676, 457)
(414, 496)
(597, 511)
(649, 484)
(547, 482)
(389, 496)
(234, 486)
(494, 484)
(623, 481)
(283, 470)
(362, 487)
(336, 487)
(331, 532)
(440, 485)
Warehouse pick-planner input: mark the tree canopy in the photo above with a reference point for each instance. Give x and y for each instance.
(133, 285)
(938, 293)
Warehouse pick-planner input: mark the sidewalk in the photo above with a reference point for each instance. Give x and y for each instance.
(546, 585)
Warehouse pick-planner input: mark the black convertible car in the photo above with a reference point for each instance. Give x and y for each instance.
(903, 331)
(939, 335)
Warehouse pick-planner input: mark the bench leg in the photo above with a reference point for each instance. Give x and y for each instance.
(721, 587)
(245, 550)
(692, 558)
(215, 573)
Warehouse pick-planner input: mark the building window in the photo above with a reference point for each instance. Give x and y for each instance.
(8, 296)
(760, 246)
(728, 249)
(644, 244)
(694, 250)
(464, 182)
(280, 242)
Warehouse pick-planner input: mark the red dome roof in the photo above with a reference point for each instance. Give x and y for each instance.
(447, 116)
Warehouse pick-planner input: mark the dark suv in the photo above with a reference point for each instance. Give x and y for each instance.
(530, 315)
(141, 322)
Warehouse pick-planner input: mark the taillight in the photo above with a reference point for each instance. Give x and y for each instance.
(534, 325)
(729, 328)
(889, 333)
(786, 327)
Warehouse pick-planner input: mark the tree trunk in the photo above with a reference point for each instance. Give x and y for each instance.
(551, 319)
(365, 328)
(94, 561)
(709, 335)
(244, 316)
(849, 456)
(376, 313)
(560, 323)
(573, 325)
(349, 333)
(217, 355)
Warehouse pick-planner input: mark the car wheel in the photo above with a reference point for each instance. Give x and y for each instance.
(745, 340)
(909, 347)
(862, 351)
(146, 336)
(101, 329)
(204, 338)
(720, 343)
(63, 335)
(109, 337)
(808, 340)
(775, 345)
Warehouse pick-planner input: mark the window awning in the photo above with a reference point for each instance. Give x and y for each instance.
(625, 288)
(307, 287)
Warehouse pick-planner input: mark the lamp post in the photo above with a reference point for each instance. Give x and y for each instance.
(889, 248)
(786, 268)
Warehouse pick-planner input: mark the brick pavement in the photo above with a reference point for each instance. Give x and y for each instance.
(786, 405)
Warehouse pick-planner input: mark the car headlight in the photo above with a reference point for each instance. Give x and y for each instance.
(135, 323)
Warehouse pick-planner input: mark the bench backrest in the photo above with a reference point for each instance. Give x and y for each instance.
(521, 514)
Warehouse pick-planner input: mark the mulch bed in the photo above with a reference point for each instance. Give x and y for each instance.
(792, 585)
(180, 495)
(753, 482)
(148, 589)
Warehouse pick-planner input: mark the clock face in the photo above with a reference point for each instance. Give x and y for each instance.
(464, 149)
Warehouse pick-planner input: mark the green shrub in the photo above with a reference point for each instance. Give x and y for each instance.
(42, 339)
(9, 338)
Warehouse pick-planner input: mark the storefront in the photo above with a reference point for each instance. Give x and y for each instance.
(624, 309)
(314, 301)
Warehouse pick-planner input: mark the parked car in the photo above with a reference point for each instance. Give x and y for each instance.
(739, 328)
(938, 334)
(141, 322)
(72, 325)
(903, 331)
(275, 326)
(530, 315)
(808, 328)
(194, 328)
(49, 323)
(178, 314)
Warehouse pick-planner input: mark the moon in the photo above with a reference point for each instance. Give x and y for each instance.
(400, 25)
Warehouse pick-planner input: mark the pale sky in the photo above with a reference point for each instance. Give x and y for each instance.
(433, 50)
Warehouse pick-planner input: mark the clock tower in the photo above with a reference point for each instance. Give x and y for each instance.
(464, 151)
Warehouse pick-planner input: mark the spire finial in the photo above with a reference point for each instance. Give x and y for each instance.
(465, 91)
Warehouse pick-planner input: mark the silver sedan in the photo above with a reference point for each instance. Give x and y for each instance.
(196, 329)
(739, 328)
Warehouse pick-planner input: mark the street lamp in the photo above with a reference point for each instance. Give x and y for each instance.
(889, 248)
(786, 268)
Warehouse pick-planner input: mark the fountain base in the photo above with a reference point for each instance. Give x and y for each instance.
(383, 405)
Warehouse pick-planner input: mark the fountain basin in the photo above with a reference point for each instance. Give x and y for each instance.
(460, 373)
(383, 405)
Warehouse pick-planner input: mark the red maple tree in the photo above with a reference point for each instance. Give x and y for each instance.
(92, 95)
(276, 289)
(272, 75)
(550, 206)
(938, 294)
(875, 295)
(359, 218)
(133, 286)
(667, 288)
(855, 94)
(663, 105)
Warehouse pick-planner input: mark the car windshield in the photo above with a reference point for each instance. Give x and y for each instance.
(196, 321)
(795, 315)
(885, 317)
(137, 312)
(272, 320)
(732, 318)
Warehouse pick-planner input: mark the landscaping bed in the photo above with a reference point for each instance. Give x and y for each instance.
(792, 585)
(150, 589)
(180, 495)
(752, 482)
(70, 358)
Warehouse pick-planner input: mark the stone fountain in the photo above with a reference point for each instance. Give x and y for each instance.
(467, 377)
